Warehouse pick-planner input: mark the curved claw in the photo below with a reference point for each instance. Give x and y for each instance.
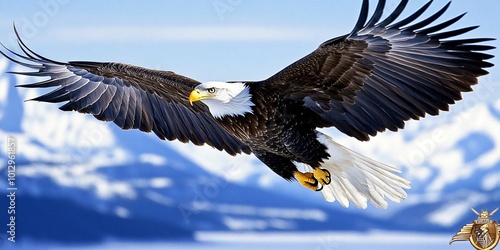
(319, 187)
(308, 180)
(323, 176)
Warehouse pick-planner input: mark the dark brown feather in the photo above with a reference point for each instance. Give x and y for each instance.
(132, 97)
(381, 75)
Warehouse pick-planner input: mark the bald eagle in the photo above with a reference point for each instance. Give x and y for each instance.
(378, 76)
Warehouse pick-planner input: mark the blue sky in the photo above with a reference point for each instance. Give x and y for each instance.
(250, 40)
(202, 39)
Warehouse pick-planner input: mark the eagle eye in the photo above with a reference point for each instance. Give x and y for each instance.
(211, 90)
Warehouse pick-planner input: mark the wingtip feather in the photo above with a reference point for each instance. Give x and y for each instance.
(363, 16)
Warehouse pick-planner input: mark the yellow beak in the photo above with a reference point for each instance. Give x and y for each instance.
(195, 96)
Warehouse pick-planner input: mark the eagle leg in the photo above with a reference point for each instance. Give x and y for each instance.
(322, 175)
(308, 180)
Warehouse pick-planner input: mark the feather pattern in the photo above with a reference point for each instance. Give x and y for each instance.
(132, 97)
(384, 73)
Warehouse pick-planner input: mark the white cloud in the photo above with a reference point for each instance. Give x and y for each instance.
(450, 164)
(331, 240)
(491, 182)
(239, 224)
(58, 130)
(4, 86)
(65, 176)
(161, 182)
(160, 199)
(122, 212)
(266, 212)
(449, 161)
(233, 168)
(3, 65)
(153, 159)
(451, 212)
(158, 182)
(4, 89)
(99, 34)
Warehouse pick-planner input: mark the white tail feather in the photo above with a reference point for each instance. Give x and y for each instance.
(358, 179)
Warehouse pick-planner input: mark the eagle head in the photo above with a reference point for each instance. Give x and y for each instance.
(224, 98)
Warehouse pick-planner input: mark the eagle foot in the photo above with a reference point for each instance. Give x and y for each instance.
(308, 180)
(322, 175)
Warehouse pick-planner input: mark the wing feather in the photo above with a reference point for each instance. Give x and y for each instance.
(132, 97)
(428, 20)
(383, 74)
(394, 15)
(411, 18)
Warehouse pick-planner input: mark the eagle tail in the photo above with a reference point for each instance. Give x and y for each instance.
(359, 179)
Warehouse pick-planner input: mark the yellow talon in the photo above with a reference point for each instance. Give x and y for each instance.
(307, 180)
(322, 175)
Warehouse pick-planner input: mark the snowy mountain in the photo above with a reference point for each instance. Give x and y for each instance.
(82, 180)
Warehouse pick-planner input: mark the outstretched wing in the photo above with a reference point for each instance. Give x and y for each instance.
(132, 97)
(463, 234)
(384, 73)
